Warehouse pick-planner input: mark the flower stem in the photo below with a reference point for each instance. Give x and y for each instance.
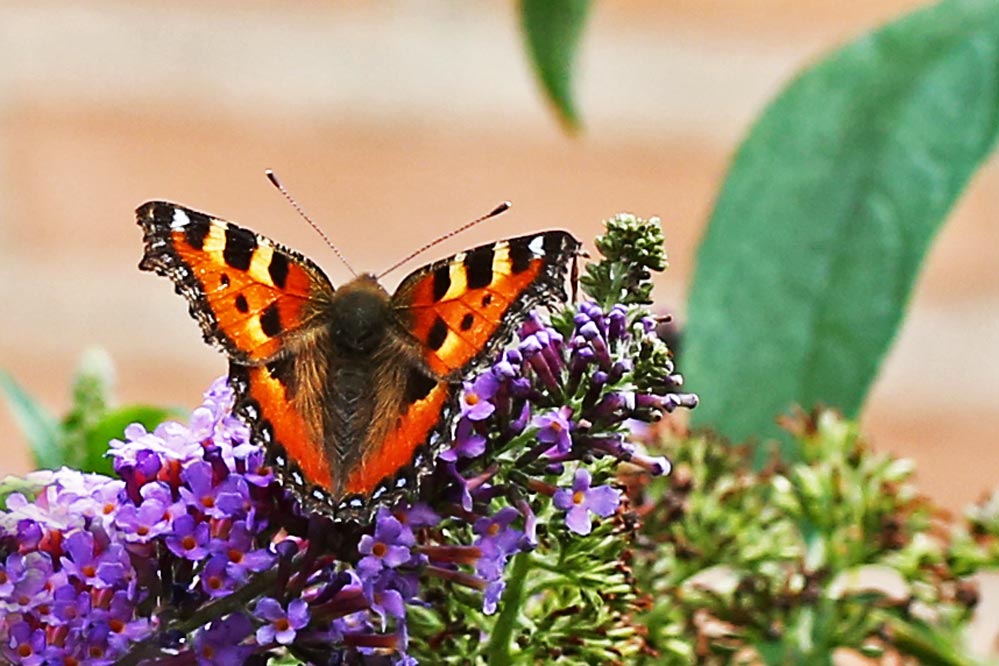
(498, 651)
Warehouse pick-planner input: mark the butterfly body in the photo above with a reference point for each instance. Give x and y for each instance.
(349, 388)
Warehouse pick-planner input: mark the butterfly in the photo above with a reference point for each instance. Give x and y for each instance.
(349, 389)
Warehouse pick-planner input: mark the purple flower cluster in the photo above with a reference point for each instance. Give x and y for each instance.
(97, 570)
(566, 395)
(93, 566)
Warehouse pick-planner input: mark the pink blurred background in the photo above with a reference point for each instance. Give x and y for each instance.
(395, 122)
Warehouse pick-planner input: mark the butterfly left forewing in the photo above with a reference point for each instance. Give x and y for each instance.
(249, 294)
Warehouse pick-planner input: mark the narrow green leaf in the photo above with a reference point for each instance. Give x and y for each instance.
(112, 426)
(38, 426)
(827, 212)
(553, 29)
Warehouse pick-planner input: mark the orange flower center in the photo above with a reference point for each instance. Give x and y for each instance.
(578, 497)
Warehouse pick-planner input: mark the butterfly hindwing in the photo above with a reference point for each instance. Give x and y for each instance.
(422, 411)
(247, 292)
(462, 308)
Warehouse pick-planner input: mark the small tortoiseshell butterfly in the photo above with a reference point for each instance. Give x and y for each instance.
(348, 388)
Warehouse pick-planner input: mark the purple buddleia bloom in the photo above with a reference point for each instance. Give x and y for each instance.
(96, 644)
(497, 541)
(476, 397)
(70, 604)
(496, 529)
(280, 625)
(583, 500)
(232, 497)
(201, 491)
(467, 443)
(241, 557)
(106, 568)
(215, 578)
(386, 596)
(530, 524)
(492, 596)
(189, 538)
(554, 429)
(464, 492)
(221, 644)
(101, 504)
(144, 522)
(123, 628)
(25, 647)
(389, 546)
(417, 516)
(31, 586)
(18, 567)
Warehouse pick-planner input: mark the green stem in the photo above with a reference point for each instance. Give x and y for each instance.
(498, 651)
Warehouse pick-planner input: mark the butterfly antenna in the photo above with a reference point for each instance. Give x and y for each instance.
(271, 176)
(502, 208)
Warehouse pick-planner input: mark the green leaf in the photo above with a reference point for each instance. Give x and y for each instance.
(13, 484)
(553, 29)
(37, 425)
(827, 211)
(91, 396)
(112, 426)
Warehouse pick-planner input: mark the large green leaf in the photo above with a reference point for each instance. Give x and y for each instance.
(553, 29)
(827, 212)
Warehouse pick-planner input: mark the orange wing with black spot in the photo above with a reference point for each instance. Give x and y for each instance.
(461, 309)
(257, 301)
(248, 293)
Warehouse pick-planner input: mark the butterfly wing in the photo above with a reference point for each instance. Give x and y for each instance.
(461, 309)
(261, 303)
(249, 294)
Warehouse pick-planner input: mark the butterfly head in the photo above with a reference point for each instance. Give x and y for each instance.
(359, 313)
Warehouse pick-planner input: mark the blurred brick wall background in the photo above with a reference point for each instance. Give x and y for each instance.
(394, 122)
